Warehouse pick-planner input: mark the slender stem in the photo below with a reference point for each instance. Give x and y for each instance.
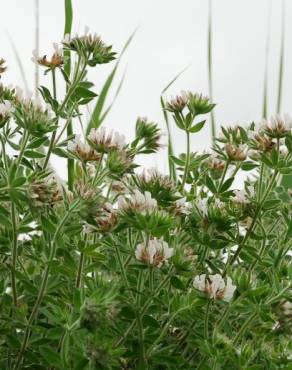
(14, 253)
(207, 314)
(80, 270)
(243, 328)
(22, 149)
(250, 229)
(119, 258)
(14, 214)
(142, 356)
(223, 174)
(143, 310)
(187, 161)
(43, 286)
(151, 278)
(163, 331)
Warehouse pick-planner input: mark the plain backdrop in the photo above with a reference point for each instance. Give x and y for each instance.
(171, 35)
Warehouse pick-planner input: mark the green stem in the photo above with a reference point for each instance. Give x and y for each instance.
(223, 175)
(80, 270)
(207, 314)
(22, 149)
(119, 258)
(187, 161)
(243, 328)
(14, 253)
(250, 229)
(143, 310)
(142, 356)
(43, 286)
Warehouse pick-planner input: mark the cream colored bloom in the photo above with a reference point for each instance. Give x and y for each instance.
(155, 253)
(240, 196)
(82, 150)
(6, 108)
(202, 206)
(215, 286)
(104, 141)
(138, 202)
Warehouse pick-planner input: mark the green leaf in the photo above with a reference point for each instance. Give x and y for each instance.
(248, 166)
(83, 92)
(226, 185)
(210, 185)
(150, 321)
(48, 225)
(33, 154)
(36, 143)
(271, 203)
(18, 182)
(52, 357)
(197, 127)
(177, 283)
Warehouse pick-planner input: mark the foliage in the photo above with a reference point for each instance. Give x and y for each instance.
(132, 270)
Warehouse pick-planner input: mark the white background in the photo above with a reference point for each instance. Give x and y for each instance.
(171, 35)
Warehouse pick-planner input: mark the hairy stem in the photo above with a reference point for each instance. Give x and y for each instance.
(187, 161)
(43, 286)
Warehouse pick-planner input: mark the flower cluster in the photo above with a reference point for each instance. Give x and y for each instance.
(138, 202)
(90, 47)
(215, 286)
(155, 253)
(56, 61)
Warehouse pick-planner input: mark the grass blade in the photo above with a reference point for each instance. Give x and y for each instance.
(282, 56)
(67, 69)
(268, 40)
(97, 114)
(37, 47)
(210, 71)
(19, 63)
(114, 99)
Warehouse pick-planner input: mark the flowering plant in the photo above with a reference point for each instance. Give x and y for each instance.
(122, 269)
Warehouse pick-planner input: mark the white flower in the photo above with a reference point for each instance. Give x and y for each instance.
(82, 150)
(277, 125)
(218, 203)
(283, 150)
(104, 142)
(6, 108)
(240, 196)
(138, 201)
(155, 253)
(202, 206)
(215, 286)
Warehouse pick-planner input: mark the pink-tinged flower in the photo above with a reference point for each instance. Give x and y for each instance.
(155, 253)
(236, 153)
(243, 196)
(138, 202)
(104, 142)
(81, 150)
(277, 126)
(202, 205)
(215, 286)
(56, 60)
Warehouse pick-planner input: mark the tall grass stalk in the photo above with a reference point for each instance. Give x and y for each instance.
(210, 70)
(281, 65)
(19, 63)
(268, 40)
(67, 69)
(37, 44)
